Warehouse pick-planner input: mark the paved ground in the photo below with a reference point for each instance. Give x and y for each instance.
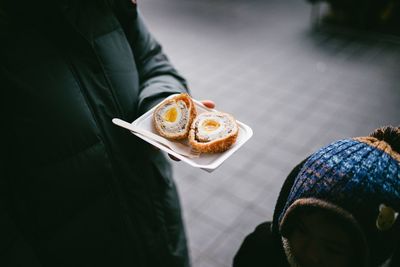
(298, 89)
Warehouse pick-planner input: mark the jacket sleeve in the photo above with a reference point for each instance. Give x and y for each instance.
(158, 78)
(14, 250)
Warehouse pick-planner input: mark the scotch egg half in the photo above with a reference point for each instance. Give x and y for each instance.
(173, 117)
(213, 132)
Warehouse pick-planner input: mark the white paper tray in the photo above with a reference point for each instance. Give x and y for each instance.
(207, 162)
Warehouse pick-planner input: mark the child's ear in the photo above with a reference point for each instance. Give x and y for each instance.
(386, 218)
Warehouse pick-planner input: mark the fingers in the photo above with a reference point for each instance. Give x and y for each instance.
(208, 103)
(173, 158)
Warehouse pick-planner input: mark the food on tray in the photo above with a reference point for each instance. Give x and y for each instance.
(173, 117)
(213, 132)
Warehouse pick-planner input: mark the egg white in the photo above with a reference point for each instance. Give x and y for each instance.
(204, 134)
(211, 134)
(166, 109)
(180, 121)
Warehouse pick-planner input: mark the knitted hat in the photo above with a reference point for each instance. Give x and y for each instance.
(357, 180)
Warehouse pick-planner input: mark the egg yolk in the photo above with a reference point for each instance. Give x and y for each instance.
(170, 115)
(210, 125)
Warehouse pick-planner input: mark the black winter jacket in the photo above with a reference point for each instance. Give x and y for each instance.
(75, 190)
(263, 247)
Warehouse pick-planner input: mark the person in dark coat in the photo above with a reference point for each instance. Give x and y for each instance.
(76, 190)
(377, 15)
(339, 207)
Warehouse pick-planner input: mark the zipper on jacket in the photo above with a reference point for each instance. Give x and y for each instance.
(117, 105)
(90, 42)
(115, 184)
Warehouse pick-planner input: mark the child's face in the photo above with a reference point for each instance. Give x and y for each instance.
(316, 240)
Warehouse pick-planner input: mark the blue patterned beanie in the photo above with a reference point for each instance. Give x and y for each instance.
(358, 180)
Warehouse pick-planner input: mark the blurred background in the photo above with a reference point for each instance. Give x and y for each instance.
(301, 75)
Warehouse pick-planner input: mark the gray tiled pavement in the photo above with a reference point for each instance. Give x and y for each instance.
(296, 88)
